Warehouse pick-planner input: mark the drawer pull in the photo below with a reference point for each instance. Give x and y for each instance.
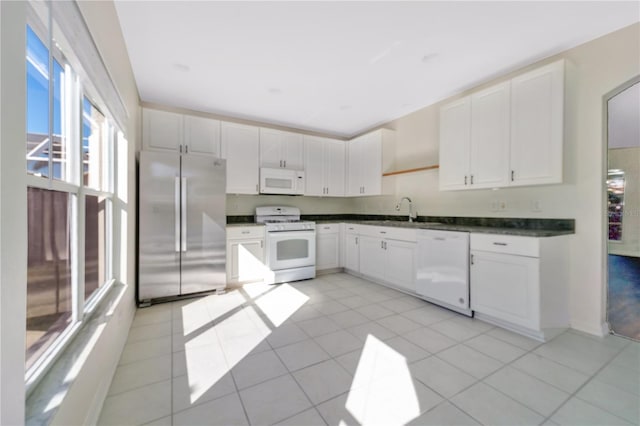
(246, 232)
(439, 238)
(326, 227)
(383, 232)
(499, 244)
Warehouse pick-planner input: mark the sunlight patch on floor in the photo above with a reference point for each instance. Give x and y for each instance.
(278, 305)
(382, 391)
(211, 351)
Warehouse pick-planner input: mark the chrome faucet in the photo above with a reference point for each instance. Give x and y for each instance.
(410, 207)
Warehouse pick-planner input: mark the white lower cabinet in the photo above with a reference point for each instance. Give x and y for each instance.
(520, 283)
(372, 257)
(506, 287)
(245, 254)
(351, 257)
(400, 267)
(388, 255)
(327, 246)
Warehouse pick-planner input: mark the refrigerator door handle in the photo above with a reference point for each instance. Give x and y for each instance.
(184, 214)
(176, 205)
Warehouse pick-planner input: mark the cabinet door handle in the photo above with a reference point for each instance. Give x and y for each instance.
(439, 238)
(246, 232)
(356, 240)
(383, 232)
(180, 147)
(385, 245)
(512, 177)
(326, 227)
(327, 190)
(499, 244)
(471, 179)
(285, 163)
(465, 179)
(261, 243)
(186, 149)
(472, 259)
(381, 244)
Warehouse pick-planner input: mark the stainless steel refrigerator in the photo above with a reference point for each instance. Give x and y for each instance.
(182, 220)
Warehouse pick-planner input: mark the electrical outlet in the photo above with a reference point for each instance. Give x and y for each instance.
(502, 205)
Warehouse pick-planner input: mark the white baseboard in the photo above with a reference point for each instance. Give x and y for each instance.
(599, 330)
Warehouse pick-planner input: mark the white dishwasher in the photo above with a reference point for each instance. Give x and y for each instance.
(442, 268)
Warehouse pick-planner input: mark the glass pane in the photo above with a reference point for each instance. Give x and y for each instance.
(93, 125)
(615, 195)
(293, 249)
(49, 296)
(279, 183)
(38, 144)
(59, 138)
(95, 249)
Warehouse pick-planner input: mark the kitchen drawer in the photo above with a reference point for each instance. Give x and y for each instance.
(508, 244)
(239, 232)
(390, 233)
(327, 228)
(351, 228)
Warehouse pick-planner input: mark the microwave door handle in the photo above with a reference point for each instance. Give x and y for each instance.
(176, 206)
(184, 214)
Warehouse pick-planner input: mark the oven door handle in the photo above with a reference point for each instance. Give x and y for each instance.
(299, 231)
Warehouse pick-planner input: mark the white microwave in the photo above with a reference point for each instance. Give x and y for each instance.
(281, 181)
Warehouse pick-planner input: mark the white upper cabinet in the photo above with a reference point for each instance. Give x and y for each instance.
(202, 135)
(507, 135)
(489, 161)
(240, 147)
(455, 142)
(365, 156)
(161, 130)
(280, 149)
(537, 100)
(169, 131)
(324, 166)
(474, 140)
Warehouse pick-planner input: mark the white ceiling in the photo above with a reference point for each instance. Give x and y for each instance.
(343, 67)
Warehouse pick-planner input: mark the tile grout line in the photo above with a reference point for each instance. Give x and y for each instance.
(589, 380)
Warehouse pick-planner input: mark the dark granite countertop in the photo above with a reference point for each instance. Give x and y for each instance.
(526, 227)
(466, 228)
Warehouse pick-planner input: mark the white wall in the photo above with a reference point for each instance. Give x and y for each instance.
(592, 70)
(13, 213)
(246, 204)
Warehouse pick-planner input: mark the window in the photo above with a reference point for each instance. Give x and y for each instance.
(49, 291)
(38, 146)
(93, 134)
(95, 250)
(615, 195)
(70, 193)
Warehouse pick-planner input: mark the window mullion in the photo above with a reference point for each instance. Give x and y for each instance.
(51, 95)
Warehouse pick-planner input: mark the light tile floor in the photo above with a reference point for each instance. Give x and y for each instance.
(340, 350)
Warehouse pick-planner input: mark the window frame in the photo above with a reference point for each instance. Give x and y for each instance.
(72, 118)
